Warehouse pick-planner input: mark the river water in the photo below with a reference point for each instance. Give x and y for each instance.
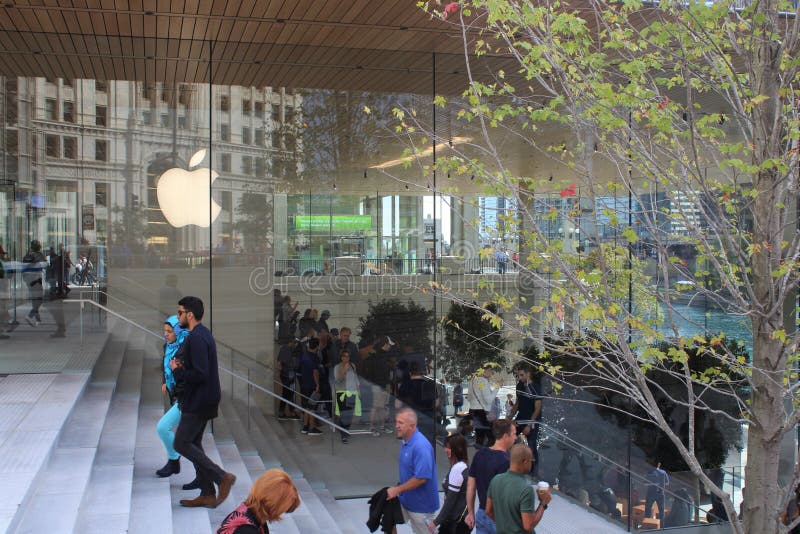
(695, 319)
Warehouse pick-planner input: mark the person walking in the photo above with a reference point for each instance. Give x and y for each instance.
(199, 403)
(419, 497)
(658, 480)
(174, 336)
(487, 463)
(272, 495)
(287, 370)
(528, 408)
(348, 402)
(450, 519)
(310, 390)
(32, 275)
(458, 398)
(511, 501)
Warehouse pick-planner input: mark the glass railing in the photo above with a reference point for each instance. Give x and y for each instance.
(257, 386)
(645, 500)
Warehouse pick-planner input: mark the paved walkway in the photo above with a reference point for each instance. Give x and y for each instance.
(561, 517)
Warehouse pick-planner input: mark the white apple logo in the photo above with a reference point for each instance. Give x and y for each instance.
(184, 195)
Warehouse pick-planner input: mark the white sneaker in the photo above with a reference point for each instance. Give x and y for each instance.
(31, 321)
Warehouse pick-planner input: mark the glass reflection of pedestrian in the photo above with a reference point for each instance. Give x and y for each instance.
(285, 331)
(458, 397)
(34, 262)
(657, 480)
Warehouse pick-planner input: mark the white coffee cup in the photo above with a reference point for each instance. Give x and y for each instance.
(542, 487)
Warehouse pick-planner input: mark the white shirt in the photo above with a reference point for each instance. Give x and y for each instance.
(482, 394)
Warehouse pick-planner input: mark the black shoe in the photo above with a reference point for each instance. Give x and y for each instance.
(172, 467)
(193, 485)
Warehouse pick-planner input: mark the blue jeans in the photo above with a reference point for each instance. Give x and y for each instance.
(164, 428)
(483, 523)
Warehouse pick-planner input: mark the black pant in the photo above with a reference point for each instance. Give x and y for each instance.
(189, 444)
(287, 394)
(654, 495)
(483, 428)
(345, 413)
(532, 439)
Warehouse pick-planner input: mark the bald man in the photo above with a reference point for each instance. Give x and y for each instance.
(511, 501)
(417, 490)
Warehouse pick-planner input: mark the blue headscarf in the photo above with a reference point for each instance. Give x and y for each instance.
(170, 349)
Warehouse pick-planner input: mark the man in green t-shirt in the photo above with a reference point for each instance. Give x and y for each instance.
(510, 500)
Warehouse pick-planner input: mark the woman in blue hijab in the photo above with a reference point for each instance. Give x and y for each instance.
(174, 336)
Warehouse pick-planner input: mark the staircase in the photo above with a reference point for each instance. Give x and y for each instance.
(99, 475)
(96, 473)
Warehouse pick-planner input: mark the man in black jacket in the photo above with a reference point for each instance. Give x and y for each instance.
(198, 401)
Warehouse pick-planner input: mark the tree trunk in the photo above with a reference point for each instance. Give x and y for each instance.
(761, 512)
(769, 215)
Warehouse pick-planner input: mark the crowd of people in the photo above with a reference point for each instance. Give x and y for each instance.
(328, 375)
(332, 377)
(507, 502)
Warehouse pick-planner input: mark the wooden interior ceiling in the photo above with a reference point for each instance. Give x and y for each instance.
(335, 44)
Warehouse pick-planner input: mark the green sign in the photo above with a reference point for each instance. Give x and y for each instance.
(335, 223)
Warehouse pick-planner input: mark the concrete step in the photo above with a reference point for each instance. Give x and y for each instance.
(270, 446)
(106, 505)
(311, 516)
(35, 421)
(191, 520)
(52, 502)
(343, 519)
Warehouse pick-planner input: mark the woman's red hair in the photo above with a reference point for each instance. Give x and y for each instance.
(272, 495)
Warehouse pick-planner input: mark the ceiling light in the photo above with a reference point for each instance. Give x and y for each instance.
(421, 154)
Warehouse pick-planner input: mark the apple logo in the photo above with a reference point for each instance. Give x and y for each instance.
(184, 195)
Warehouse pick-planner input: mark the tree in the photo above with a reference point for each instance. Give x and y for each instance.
(253, 219)
(665, 134)
(470, 340)
(408, 325)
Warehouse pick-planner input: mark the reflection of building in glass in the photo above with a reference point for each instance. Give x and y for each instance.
(493, 226)
(99, 148)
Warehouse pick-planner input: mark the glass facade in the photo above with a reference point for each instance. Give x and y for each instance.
(145, 191)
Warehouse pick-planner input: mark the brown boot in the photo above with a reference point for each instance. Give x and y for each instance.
(225, 486)
(209, 501)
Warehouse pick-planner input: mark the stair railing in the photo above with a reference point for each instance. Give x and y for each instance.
(222, 368)
(574, 450)
(276, 383)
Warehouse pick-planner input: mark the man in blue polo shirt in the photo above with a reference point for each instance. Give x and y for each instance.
(417, 490)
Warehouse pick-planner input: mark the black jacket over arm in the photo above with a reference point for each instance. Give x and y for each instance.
(384, 513)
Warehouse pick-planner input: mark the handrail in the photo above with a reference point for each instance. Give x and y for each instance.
(599, 456)
(221, 367)
(108, 295)
(112, 312)
(220, 343)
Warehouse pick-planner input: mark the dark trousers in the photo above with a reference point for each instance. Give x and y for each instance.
(189, 444)
(483, 429)
(532, 439)
(654, 495)
(345, 413)
(287, 394)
